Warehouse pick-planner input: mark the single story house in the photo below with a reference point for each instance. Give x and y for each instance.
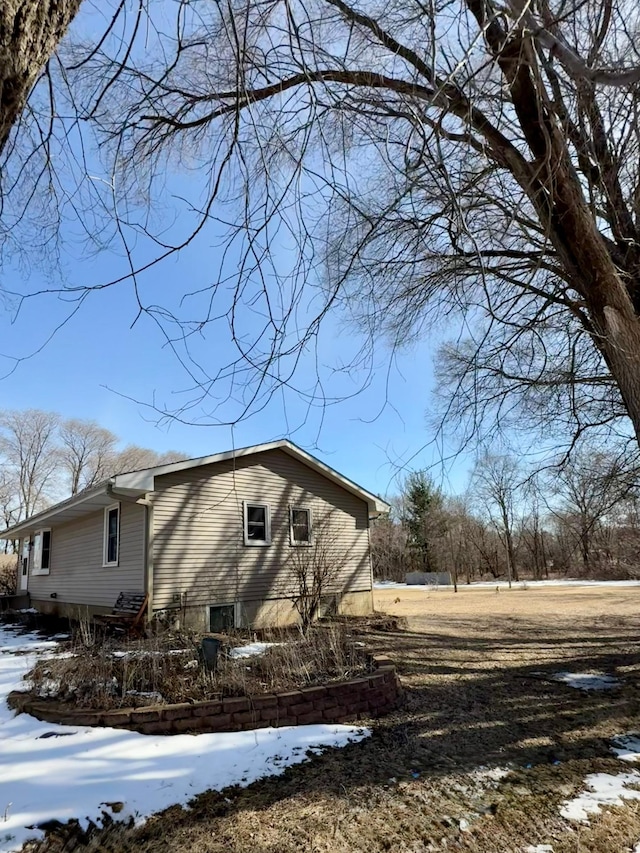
(215, 542)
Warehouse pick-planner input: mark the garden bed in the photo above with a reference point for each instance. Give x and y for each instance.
(109, 674)
(354, 699)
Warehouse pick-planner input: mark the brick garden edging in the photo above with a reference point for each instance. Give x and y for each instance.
(369, 696)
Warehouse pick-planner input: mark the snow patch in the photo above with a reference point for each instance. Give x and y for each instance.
(54, 772)
(607, 789)
(251, 650)
(587, 680)
(539, 848)
(491, 774)
(147, 653)
(627, 747)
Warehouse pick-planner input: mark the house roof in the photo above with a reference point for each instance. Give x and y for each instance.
(135, 484)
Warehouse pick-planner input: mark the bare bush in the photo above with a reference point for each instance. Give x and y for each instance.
(316, 568)
(110, 674)
(8, 574)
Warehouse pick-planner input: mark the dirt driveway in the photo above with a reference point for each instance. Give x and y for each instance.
(482, 756)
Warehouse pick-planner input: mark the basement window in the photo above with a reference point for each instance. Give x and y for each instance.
(221, 618)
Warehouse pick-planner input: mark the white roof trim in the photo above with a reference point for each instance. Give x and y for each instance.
(35, 520)
(137, 483)
(144, 480)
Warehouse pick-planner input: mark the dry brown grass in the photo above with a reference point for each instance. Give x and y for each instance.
(549, 604)
(475, 668)
(111, 673)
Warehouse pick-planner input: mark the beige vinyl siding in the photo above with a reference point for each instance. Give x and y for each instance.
(77, 575)
(199, 546)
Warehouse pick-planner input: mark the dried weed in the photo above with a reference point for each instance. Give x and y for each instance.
(102, 672)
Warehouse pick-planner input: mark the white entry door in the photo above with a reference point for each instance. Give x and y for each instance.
(24, 565)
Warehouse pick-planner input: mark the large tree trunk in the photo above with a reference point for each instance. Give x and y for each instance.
(30, 31)
(607, 284)
(611, 303)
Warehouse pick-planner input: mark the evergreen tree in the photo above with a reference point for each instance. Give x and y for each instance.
(422, 518)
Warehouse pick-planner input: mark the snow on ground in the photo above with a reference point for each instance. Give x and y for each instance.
(251, 650)
(490, 774)
(627, 747)
(606, 789)
(503, 584)
(587, 680)
(145, 653)
(53, 772)
(539, 848)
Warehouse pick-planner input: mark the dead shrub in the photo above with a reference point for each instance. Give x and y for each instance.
(316, 570)
(101, 672)
(8, 573)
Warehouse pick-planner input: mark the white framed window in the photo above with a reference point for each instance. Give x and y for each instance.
(111, 548)
(41, 552)
(300, 525)
(256, 523)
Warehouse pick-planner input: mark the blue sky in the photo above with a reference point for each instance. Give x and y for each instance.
(100, 366)
(97, 366)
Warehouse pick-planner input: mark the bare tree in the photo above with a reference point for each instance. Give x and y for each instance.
(625, 529)
(460, 543)
(490, 551)
(28, 447)
(532, 529)
(538, 378)
(389, 556)
(490, 173)
(460, 529)
(86, 450)
(35, 448)
(30, 32)
(589, 487)
(9, 502)
(495, 484)
(133, 458)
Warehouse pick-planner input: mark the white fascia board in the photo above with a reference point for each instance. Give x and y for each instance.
(376, 504)
(137, 483)
(50, 513)
(144, 480)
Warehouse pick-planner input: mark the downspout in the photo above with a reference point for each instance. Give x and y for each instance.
(147, 541)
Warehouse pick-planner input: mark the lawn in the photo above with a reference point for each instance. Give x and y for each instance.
(482, 757)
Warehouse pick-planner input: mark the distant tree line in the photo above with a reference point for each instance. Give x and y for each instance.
(580, 519)
(45, 458)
